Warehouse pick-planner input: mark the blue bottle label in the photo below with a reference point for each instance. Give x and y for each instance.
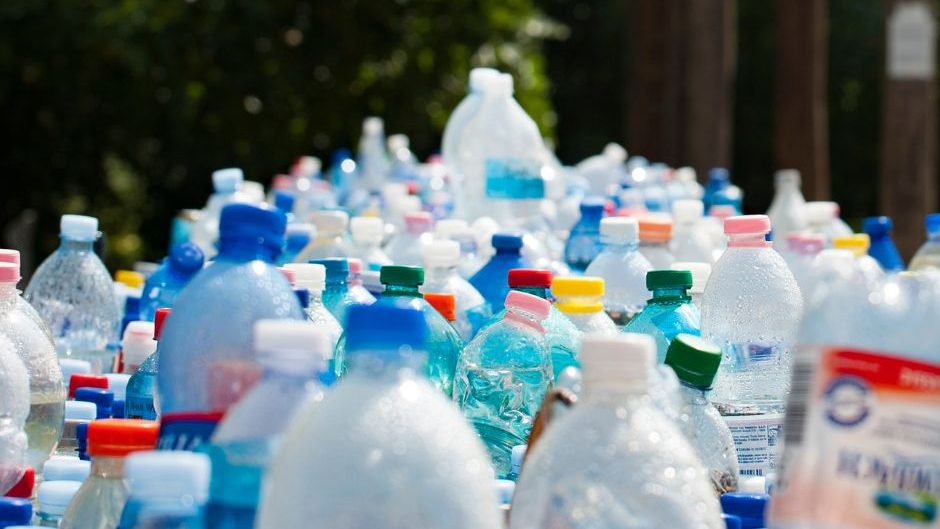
(187, 431)
(513, 179)
(139, 409)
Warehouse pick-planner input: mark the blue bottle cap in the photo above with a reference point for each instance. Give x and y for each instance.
(337, 269)
(15, 511)
(186, 259)
(877, 226)
(341, 154)
(385, 325)
(718, 174)
(507, 241)
(748, 507)
(65, 468)
(284, 201)
(932, 222)
(117, 409)
(132, 307)
(303, 296)
(81, 439)
(261, 224)
(101, 398)
(731, 521)
(592, 205)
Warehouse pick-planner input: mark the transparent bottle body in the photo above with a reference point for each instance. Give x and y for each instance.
(141, 392)
(371, 255)
(405, 249)
(583, 243)
(100, 500)
(927, 256)
(786, 213)
(592, 322)
(472, 310)
(324, 319)
(160, 291)
(703, 426)
(664, 319)
(658, 254)
(623, 269)
(325, 246)
(691, 243)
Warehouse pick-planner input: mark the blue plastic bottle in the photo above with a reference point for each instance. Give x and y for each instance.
(167, 281)
(168, 490)
(299, 235)
(719, 191)
(882, 247)
(206, 359)
(502, 377)
(669, 312)
(336, 295)
(492, 280)
(584, 241)
(138, 399)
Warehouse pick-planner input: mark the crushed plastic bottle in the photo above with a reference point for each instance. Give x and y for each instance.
(623, 269)
(168, 490)
(441, 259)
(164, 285)
(669, 312)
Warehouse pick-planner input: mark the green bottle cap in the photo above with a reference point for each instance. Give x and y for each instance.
(668, 279)
(405, 276)
(694, 360)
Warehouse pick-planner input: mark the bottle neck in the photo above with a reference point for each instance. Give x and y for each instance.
(108, 467)
(748, 240)
(520, 318)
(408, 291)
(72, 245)
(621, 247)
(541, 292)
(8, 295)
(242, 250)
(694, 394)
(670, 295)
(508, 252)
(334, 285)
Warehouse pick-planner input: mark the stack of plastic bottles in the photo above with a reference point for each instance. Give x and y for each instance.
(488, 339)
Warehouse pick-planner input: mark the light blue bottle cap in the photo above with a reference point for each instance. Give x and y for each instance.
(117, 382)
(505, 488)
(80, 410)
(65, 468)
(517, 457)
(78, 227)
(54, 496)
(71, 366)
(227, 180)
(168, 474)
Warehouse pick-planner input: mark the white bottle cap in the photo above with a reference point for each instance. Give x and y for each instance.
(443, 253)
(168, 474)
(409, 204)
(80, 410)
(367, 230)
(504, 488)
(78, 227)
(818, 212)
(254, 191)
(330, 221)
(308, 275)
(227, 180)
(752, 485)
(619, 230)
(71, 366)
(292, 346)
(619, 362)
(835, 259)
(687, 210)
(66, 468)
(397, 142)
(700, 274)
(138, 343)
(54, 496)
(787, 176)
(445, 228)
(117, 382)
(480, 77)
(372, 125)
(686, 175)
(615, 152)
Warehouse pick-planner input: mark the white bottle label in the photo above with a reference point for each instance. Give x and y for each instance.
(757, 441)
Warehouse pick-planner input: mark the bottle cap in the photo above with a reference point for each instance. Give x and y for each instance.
(355, 266)
(480, 76)
(731, 521)
(397, 142)
(444, 303)
(80, 410)
(10, 273)
(310, 276)
(406, 276)
(694, 360)
(159, 320)
(284, 201)
(504, 488)
(367, 230)
(835, 258)
(857, 243)
(440, 253)
(168, 474)
(386, 325)
(655, 229)
(669, 279)
(82, 380)
(818, 212)
(722, 211)
(747, 224)
(700, 274)
(24, 487)
(258, 224)
(71, 366)
(530, 277)
(228, 180)
(129, 278)
(685, 175)
(718, 174)
(292, 346)
(615, 152)
(687, 210)
(619, 230)
(417, 222)
(79, 227)
(619, 361)
(592, 206)
(373, 125)
(15, 511)
(117, 383)
(749, 508)
(137, 342)
(65, 468)
(54, 496)
(336, 269)
(186, 259)
(9, 256)
(119, 437)
(534, 306)
(565, 287)
(101, 398)
(932, 222)
(507, 241)
(877, 226)
(787, 177)
(446, 228)
(330, 222)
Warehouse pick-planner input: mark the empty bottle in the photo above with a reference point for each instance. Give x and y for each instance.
(700, 273)
(690, 240)
(719, 191)
(227, 185)
(76, 412)
(371, 156)
(441, 258)
(367, 236)
(669, 312)
(639, 470)
(330, 240)
(312, 277)
(859, 244)
(354, 283)
(802, 250)
(369, 476)
(584, 240)
(502, 377)
(491, 280)
(336, 296)
(445, 304)
(471, 260)
(823, 218)
(695, 362)
(623, 269)
(168, 490)
(655, 234)
(53, 498)
(100, 500)
(405, 248)
(787, 209)
(14, 409)
(604, 170)
(751, 309)
(480, 78)
(294, 354)
(202, 373)
(73, 293)
(882, 247)
(165, 284)
(140, 395)
(297, 236)
(928, 255)
(579, 298)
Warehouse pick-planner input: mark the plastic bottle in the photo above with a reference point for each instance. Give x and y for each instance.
(165, 284)
(459, 231)
(367, 236)
(228, 184)
(786, 211)
(669, 312)
(371, 156)
(100, 500)
(65, 468)
(491, 280)
(405, 248)
(168, 490)
(202, 373)
(141, 397)
(312, 277)
(579, 298)
(72, 291)
(502, 377)
(479, 79)
(336, 296)
(441, 258)
(294, 355)
(15, 511)
(584, 240)
(604, 170)
(623, 269)
(425, 447)
(358, 293)
(751, 309)
(700, 274)
(53, 498)
(127, 284)
(445, 304)
(23, 306)
(330, 240)
(802, 249)
(859, 244)
(882, 247)
(76, 412)
(695, 362)
(719, 191)
(928, 255)
(138, 345)
(297, 237)
(823, 218)
(690, 241)
(639, 470)
(655, 234)
(14, 409)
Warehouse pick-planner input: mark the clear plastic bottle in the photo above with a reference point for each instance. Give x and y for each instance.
(695, 362)
(405, 248)
(23, 306)
(634, 467)
(823, 218)
(502, 377)
(72, 291)
(928, 255)
(786, 211)
(53, 498)
(312, 277)
(459, 231)
(203, 372)
(168, 490)
(100, 500)
(441, 258)
(165, 284)
(227, 185)
(669, 312)
(294, 355)
(700, 273)
(32, 344)
(491, 280)
(14, 409)
(367, 236)
(751, 309)
(480, 78)
(336, 296)
(358, 293)
(690, 240)
(579, 298)
(372, 159)
(882, 247)
(623, 269)
(331, 240)
(802, 250)
(584, 240)
(859, 244)
(140, 400)
(655, 234)
(604, 170)
(386, 442)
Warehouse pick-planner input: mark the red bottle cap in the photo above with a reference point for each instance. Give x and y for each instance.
(23, 487)
(529, 277)
(158, 321)
(119, 437)
(84, 380)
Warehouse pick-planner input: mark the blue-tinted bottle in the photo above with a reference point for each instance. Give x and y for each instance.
(299, 235)
(719, 191)
(138, 400)
(584, 241)
(492, 280)
(882, 247)
(168, 490)
(336, 295)
(669, 312)
(169, 279)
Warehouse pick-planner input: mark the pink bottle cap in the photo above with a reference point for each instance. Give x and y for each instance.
(722, 211)
(9, 273)
(418, 221)
(355, 265)
(9, 256)
(528, 303)
(745, 224)
(282, 182)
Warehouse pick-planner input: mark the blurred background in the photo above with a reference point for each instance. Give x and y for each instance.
(122, 108)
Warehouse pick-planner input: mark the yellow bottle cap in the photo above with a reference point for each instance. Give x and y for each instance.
(583, 294)
(857, 243)
(129, 278)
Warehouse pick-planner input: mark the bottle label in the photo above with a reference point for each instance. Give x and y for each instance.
(187, 431)
(513, 179)
(757, 441)
(868, 455)
(136, 408)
